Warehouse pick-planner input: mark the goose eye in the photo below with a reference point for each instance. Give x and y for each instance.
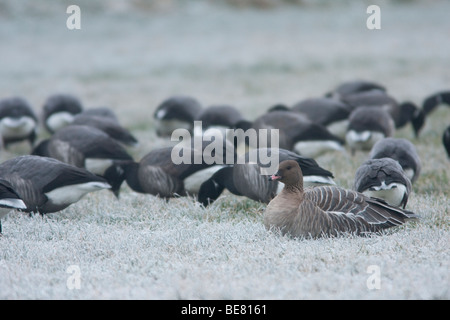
(289, 168)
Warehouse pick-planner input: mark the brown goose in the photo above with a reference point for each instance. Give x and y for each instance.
(327, 210)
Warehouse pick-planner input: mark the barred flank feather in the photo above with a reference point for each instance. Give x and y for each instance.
(327, 210)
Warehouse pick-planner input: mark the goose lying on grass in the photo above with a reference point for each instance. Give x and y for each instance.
(383, 178)
(327, 210)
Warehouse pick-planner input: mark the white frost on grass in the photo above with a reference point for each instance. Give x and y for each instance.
(165, 250)
(142, 247)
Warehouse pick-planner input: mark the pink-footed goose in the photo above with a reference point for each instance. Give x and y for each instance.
(327, 210)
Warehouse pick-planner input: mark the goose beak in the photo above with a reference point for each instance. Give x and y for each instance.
(274, 177)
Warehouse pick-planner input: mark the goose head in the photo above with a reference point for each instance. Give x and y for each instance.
(116, 175)
(289, 173)
(418, 121)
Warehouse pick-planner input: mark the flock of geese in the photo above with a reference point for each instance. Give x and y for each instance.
(87, 151)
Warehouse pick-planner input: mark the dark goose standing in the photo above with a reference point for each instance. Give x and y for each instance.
(90, 148)
(355, 86)
(219, 117)
(107, 124)
(366, 126)
(157, 174)
(9, 200)
(328, 112)
(383, 178)
(246, 178)
(326, 210)
(279, 107)
(297, 133)
(446, 141)
(103, 112)
(433, 101)
(401, 150)
(18, 122)
(401, 113)
(177, 112)
(58, 111)
(48, 185)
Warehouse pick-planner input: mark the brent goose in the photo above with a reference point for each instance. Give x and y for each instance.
(355, 86)
(158, 174)
(401, 150)
(9, 200)
(446, 141)
(18, 122)
(176, 112)
(279, 107)
(326, 210)
(107, 124)
(219, 117)
(103, 112)
(401, 113)
(431, 102)
(298, 133)
(366, 126)
(328, 112)
(48, 185)
(246, 179)
(383, 178)
(59, 109)
(90, 148)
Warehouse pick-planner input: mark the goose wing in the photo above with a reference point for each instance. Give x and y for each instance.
(249, 182)
(33, 176)
(156, 181)
(373, 172)
(351, 211)
(322, 110)
(107, 125)
(90, 142)
(32, 197)
(308, 165)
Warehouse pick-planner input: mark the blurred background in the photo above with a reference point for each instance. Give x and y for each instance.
(252, 54)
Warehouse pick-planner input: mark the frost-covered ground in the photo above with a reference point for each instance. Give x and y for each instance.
(131, 57)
